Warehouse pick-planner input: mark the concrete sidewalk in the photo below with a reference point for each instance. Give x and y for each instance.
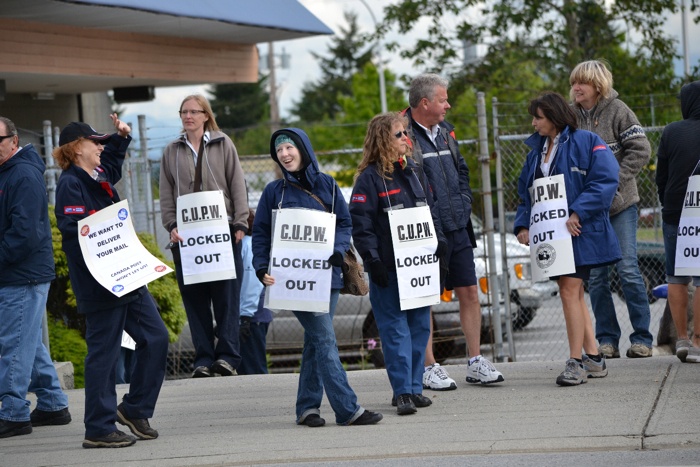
(643, 404)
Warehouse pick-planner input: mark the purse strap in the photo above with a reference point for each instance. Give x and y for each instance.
(299, 187)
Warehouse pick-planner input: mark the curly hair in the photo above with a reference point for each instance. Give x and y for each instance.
(378, 146)
(67, 154)
(209, 125)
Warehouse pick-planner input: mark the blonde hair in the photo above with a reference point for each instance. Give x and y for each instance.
(378, 147)
(595, 73)
(210, 124)
(67, 154)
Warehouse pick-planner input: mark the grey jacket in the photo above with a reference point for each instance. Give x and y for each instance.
(617, 124)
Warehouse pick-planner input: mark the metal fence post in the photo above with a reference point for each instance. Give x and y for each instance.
(494, 286)
(50, 164)
(502, 228)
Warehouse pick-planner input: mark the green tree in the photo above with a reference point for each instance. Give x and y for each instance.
(240, 105)
(348, 53)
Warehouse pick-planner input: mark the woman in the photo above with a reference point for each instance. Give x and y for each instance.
(599, 110)
(86, 185)
(386, 179)
(205, 159)
(590, 176)
(304, 186)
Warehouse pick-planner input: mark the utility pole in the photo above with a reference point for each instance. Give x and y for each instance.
(380, 66)
(271, 78)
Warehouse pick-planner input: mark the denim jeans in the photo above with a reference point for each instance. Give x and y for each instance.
(321, 369)
(404, 335)
(607, 329)
(25, 364)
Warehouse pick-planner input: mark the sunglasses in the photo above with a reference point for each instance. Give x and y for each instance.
(3, 138)
(400, 134)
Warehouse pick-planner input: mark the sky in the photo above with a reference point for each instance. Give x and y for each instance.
(161, 114)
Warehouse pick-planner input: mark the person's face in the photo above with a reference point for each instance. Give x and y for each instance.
(8, 146)
(585, 95)
(193, 116)
(289, 157)
(399, 138)
(88, 153)
(436, 109)
(543, 125)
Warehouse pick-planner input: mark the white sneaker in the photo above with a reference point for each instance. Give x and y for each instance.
(692, 357)
(482, 371)
(437, 379)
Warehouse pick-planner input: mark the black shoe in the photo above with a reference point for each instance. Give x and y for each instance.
(8, 428)
(368, 418)
(201, 372)
(116, 439)
(223, 368)
(43, 418)
(313, 420)
(405, 405)
(138, 426)
(419, 400)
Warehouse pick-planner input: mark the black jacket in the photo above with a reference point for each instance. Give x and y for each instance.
(26, 252)
(77, 196)
(679, 152)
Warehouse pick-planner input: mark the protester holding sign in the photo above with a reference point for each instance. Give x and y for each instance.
(86, 186)
(590, 176)
(203, 163)
(388, 180)
(305, 188)
(677, 173)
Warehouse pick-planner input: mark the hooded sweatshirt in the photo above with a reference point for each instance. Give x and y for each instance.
(280, 194)
(679, 153)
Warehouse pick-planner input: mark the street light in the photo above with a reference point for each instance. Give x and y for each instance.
(380, 67)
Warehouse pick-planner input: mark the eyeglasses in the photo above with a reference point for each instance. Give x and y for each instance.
(400, 134)
(191, 112)
(3, 138)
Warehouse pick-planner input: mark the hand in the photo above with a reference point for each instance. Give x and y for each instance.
(239, 235)
(244, 332)
(176, 237)
(524, 236)
(573, 225)
(378, 273)
(336, 259)
(122, 128)
(441, 250)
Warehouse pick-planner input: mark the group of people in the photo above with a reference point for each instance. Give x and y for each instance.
(410, 160)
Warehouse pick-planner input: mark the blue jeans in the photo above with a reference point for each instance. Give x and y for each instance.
(25, 365)
(404, 335)
(607, 329)
(321, 369)
(254, 351)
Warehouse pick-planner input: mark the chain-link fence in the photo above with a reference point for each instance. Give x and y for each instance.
(535, 330)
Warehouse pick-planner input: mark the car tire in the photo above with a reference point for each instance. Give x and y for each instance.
(523, 318)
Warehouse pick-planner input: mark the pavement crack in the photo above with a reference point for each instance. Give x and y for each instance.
(656, 403)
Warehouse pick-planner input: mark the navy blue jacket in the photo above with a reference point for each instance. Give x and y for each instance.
(591, 175)
(372, 198)
(26, 253)
(77, 196)
(449, 177)
(279, 194)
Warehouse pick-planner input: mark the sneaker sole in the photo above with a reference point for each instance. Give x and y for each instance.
(124, 421)
(25, 430)
(571, 383)
(89, 444)
(597, 374)
(65, 420)
(500, 379)
(682, 354)
(449, 388)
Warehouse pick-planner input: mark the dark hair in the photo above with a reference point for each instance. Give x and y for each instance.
(555, 108)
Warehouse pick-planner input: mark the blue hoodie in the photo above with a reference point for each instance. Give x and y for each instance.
(26, 252)
(280, 194)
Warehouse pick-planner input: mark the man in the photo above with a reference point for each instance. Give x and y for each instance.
(678, 159)
(435, 148)
(26, 262)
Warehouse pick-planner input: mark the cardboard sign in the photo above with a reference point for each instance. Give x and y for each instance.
(113, 253)
(688, 241)
(206, 251)
(551, 250)
(417, 266)
(302, 242)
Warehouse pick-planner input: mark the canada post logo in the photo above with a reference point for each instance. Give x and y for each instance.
(123, 214)
(117, 288)
(358, 199)
(74, 210)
